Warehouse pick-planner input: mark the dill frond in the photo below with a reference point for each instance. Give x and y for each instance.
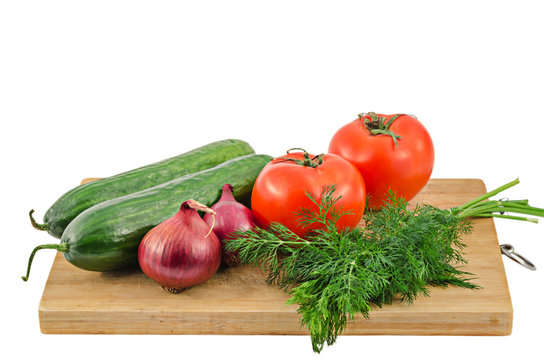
(334, 275)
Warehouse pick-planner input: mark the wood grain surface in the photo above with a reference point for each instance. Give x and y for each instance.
(237, 300)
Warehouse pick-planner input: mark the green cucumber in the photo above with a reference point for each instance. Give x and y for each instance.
(106, 236)
(82, 197)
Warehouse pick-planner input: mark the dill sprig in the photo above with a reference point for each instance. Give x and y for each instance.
(334, 275)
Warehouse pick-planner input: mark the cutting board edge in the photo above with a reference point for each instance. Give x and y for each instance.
(486, 324)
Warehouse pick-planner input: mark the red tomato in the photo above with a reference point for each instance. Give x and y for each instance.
(280, 190)
(391, 152)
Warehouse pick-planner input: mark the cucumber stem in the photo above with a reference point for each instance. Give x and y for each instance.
(41, 227)
(58, 247)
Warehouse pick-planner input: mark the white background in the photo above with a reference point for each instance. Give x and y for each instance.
(93, 88)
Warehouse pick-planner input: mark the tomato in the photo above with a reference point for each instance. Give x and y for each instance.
(391, 151)
(280, 189)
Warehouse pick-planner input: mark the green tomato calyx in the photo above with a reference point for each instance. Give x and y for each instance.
(377, 125)
(312, 162)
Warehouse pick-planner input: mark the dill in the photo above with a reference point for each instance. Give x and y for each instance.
(335, 275)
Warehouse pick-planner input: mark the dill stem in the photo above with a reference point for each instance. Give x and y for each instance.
(494, 207)
(489, 194)
(511, 217)
(534, 210)
(478, 207)
(526, 211)
(500, 203)
(518, 202)
(303, 243)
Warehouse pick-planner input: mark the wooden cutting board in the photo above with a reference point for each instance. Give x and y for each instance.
(237, 300)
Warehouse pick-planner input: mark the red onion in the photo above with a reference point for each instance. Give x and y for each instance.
(230, 216)
(182, 251)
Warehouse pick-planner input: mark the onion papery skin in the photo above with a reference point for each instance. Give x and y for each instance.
(180, 252)
(230, 216)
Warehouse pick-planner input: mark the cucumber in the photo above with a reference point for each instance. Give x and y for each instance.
(106, 236)
(82, 197)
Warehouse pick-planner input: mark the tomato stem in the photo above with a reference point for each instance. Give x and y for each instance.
(310, 162)
(377, 125)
